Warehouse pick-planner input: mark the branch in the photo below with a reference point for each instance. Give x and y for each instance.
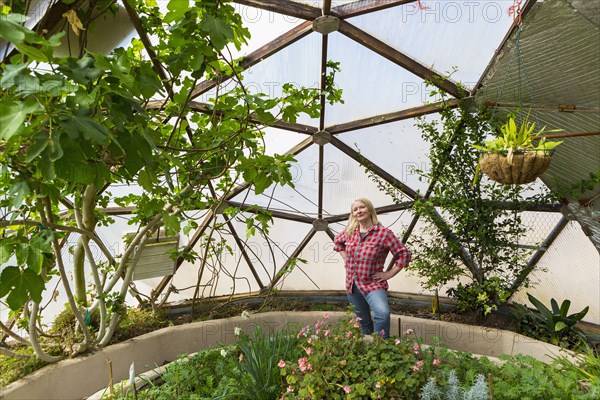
(13, 335)
(65, 228)
(9, 353)
(96, 277)
(33, 334)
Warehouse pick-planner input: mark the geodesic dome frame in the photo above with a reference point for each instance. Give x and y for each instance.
(384, 66)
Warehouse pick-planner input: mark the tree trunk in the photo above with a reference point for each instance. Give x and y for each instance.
(89, 223)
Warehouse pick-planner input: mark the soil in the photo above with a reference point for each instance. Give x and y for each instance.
(216, 310)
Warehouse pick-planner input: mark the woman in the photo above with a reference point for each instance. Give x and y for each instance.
(364, 246)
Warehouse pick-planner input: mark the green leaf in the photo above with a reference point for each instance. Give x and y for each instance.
(11, 31)
(559, 326)
(177, 9)
(54, 146)
(261, 183)
(13, 115)
(578, 316)
(218, 31)
(145, 180)
(18, 191)
(20, 286)
(90, 129)
(40, 141)
(11, 74)
(6, 251)
(83, 70)
(35, 257)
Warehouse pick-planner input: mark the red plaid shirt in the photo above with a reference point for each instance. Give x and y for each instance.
(365, 256)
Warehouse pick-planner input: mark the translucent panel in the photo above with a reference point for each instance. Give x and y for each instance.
(279, 141)
(447, 34)
(323, 270)
(345, 180)
(295, 64)
(396, 147)
(302, 199)
(229, 273)
(264, 26)
(371, 84)
(568, 271)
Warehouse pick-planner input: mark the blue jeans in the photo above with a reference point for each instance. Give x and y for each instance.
(376, 301)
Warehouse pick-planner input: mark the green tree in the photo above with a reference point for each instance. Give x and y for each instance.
(472, 227)
(70, 127)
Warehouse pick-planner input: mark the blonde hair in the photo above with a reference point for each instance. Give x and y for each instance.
(353, 222)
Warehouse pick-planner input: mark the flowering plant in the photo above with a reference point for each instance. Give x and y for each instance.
(338, 362)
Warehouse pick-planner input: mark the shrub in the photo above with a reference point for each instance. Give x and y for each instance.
(338, 362)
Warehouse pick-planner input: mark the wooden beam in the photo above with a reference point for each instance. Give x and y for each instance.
(379, 210)
(400, 59)
(189, 247)
(568, 135)
(365, 6)
(145, 39)
(392, 117)
(297, 149)
(277, 214)
(350, 152)
(242, 246)
(326, 7)
(204, 108)
(285, 7)
(281, 42)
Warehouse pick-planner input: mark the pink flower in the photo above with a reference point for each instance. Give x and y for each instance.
(356, 325)
(416, 347)
(302, 332)
(437, 361)
(343, 362)
(358, 319)
(308, 350)
(397, 342)
(347, 389)
(382, 332)
(418, 365)
(290, 389)
(349, 335)
(327, 332)
(326, 315)
(378, 385)
(310, 340)
(408, 331)
(281, 364)
(309, 367)
(302, 363)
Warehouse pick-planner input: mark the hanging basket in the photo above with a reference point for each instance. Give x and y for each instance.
(525, 168)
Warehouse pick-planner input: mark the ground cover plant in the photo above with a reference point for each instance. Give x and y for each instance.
(331, 360)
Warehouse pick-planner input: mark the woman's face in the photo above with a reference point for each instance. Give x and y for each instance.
(360, 212)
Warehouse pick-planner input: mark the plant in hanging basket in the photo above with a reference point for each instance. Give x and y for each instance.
(518, 155)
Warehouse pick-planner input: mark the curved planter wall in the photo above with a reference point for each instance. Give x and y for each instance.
(81, 377)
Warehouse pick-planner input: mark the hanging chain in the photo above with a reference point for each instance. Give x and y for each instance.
(516, 12)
